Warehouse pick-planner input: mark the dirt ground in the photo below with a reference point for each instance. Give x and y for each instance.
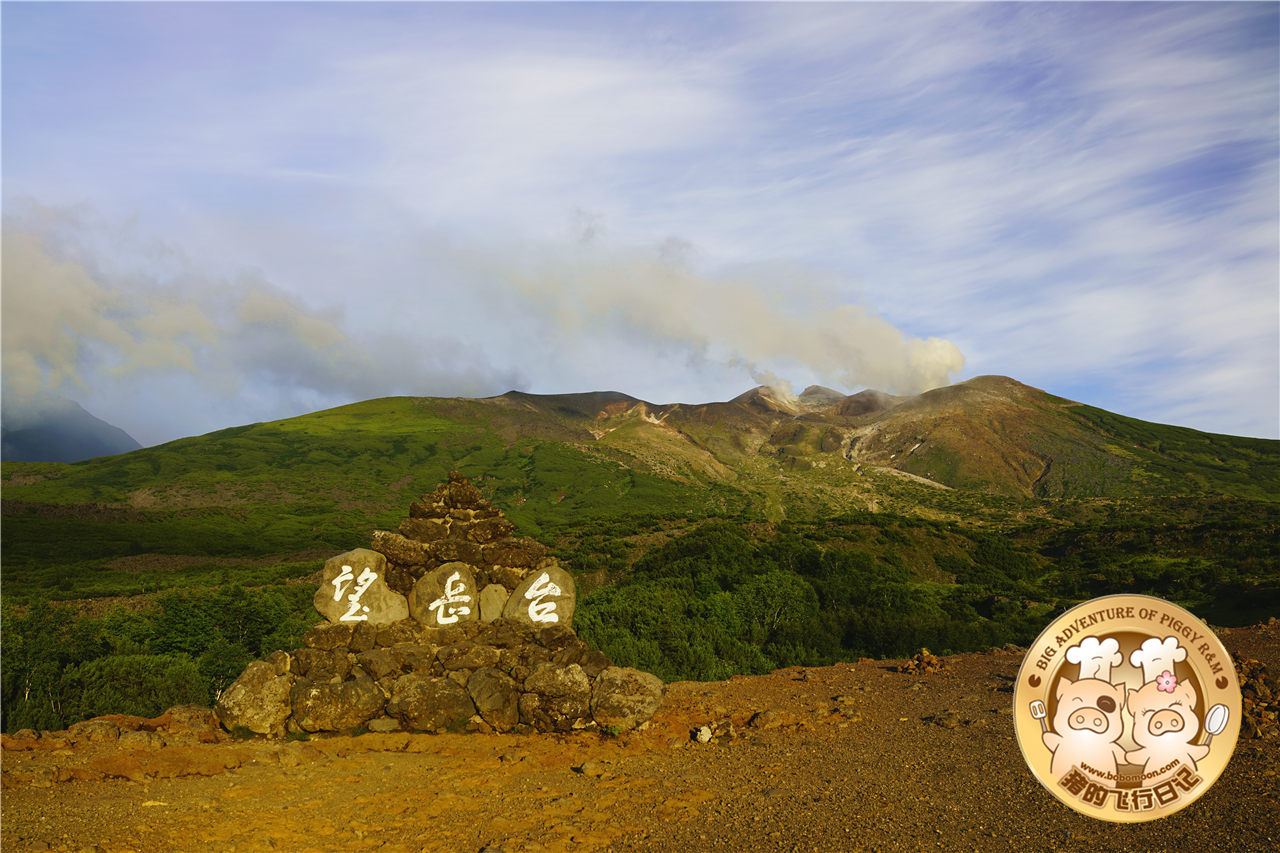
(849, 757)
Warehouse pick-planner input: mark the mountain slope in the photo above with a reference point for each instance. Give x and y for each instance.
(60, 431)
(990, 434)
(980, 454)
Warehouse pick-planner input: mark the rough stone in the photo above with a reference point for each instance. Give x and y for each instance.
(493, 598)
(318, 665)
(194, 719)
(335, 707)
(144, 740)
(506, 634)
(460, 494)
(556, 637)
(404, 631)
(445, 596)
(623, 698)
(467, 655)
(327, 636)
(355, 590)
(594, 662)
(488, 530)
(422, 703)
(402, 578)
(414, 657)
(544, 597)
(378, 663)
(318, 661)
(556, 698)
(496, 696)
(90, 731)
(400, 549)
(258, 700)
(521, 553)
(423, 529)
(459, 550)
(364, 637)
(507, 576)
(281, 660)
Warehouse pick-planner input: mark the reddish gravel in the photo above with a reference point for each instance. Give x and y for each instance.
(849, 757)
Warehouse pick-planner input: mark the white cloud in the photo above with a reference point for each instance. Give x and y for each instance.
(1057, 189)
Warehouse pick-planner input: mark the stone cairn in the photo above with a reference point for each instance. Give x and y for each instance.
(452, 623)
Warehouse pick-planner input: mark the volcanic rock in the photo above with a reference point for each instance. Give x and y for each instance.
(355, 590)
(258, 700)
(335, 707)
(556, 698)
(496, 696)
(623, 698)
(445, 596)
(545, 597)
(493, 599)
(422, 703)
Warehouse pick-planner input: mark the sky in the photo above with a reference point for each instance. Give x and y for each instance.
(222, 213)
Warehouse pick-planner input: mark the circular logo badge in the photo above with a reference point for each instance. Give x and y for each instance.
(1127, 708)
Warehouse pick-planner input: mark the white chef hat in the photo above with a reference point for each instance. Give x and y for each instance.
(1096, 657)
(1157, 656)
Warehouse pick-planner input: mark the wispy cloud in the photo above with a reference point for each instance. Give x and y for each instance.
(242, 344)
(1083, 196)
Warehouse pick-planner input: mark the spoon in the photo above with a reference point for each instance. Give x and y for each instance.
(1215, 721)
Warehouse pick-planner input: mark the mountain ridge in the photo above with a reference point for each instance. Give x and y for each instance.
(60, 430)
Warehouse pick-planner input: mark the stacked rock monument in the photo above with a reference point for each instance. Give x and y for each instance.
(450, 623)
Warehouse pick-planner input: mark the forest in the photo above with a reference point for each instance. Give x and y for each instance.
(700, 601)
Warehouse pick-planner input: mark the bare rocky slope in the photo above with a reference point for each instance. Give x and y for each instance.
(873, 755)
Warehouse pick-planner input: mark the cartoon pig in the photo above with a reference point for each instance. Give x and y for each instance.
(1164, 724)
(1086, 727)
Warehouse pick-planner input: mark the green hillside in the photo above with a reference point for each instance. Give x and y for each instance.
(766, 533)
(254, 501)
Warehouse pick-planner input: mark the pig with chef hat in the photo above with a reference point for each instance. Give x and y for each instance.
(1164, 714)
(1087, 722)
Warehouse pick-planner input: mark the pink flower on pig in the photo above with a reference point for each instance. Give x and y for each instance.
(1166, 681)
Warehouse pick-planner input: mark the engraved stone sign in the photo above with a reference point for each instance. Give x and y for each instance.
(354, 590)
(445, 596)
(546, 596)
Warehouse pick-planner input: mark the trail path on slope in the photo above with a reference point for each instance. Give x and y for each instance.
(900, 761)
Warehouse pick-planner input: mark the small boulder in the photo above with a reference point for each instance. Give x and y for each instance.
(556, 698)
(400, 549)
(516, 553)
(423, 529)
(493, 599)
(623, 698)
(90, 731)
(258, 700)
(335, 707)
(422, 703)
(489, 530)
(326, 636)
(496, 696)
(379, 663)
(456, 550)
(467, 655)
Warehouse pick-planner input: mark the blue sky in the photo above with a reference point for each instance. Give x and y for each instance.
(229, 212)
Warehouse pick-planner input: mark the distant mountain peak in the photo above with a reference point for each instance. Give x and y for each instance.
(54, 429)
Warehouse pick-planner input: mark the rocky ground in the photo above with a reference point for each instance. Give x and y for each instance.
(861, 756)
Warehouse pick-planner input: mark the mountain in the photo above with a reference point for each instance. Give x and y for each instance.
(705, 540)
(60, 430)
(989, 453)
(990, 434)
